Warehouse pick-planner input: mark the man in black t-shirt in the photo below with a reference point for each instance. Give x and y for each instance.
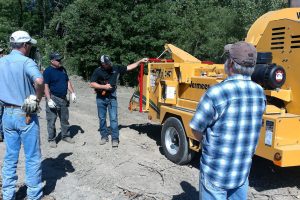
(104, 81)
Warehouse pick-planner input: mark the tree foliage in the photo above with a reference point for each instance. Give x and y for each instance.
(128, 30)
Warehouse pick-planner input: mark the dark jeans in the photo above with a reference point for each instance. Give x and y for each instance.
(1, 126)
(103, 104)
(62, 111)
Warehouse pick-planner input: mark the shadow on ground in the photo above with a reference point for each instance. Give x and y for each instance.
(53, 169)
(189, 192)
(151, 130)
(265, 175)
(74, 130)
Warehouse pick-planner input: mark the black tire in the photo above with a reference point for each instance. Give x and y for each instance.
(174, 142)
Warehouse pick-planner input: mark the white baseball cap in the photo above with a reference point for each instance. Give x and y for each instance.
(21, 37)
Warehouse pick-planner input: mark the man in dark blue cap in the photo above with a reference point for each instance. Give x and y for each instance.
(57, 84)
(104, 80)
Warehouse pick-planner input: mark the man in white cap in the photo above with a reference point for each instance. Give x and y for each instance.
(1, 104)
(229, 118)
(21, 89)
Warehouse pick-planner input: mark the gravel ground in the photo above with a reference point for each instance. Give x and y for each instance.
(137, 169)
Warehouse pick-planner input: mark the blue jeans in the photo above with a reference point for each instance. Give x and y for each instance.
(103, 104)
(208, 191)
(16, 131)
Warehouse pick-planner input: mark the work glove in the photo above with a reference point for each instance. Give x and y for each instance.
(73, 97)
(31, 104)
(51, 104)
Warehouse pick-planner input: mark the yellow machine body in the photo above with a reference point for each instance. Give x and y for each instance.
(173, 89)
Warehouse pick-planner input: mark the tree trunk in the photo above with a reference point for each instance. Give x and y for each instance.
(20, 21)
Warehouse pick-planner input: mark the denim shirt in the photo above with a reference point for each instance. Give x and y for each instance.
(230, 117)
(17, 76)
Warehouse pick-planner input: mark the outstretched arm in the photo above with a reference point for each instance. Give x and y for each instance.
(134, 65)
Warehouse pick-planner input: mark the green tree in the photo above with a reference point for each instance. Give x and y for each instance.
(129, 30)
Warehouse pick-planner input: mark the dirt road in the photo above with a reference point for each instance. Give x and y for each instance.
(137, 169)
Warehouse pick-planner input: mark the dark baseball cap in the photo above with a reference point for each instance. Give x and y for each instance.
(243, 53)
(55, 56)
(105, 59)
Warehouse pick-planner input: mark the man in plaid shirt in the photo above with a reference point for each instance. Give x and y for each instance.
(229, 118)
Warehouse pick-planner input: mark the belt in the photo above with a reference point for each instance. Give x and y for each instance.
(61, 97)
(11, 106)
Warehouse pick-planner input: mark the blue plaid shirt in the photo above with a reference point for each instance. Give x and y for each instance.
(230, 117)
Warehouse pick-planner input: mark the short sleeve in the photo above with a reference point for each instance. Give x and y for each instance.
(65, 71)
(204, 115)
(122, 69)
(31, 70)
(46, 76)
(94, 77)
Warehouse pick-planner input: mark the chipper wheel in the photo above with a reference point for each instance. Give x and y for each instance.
(174, 142)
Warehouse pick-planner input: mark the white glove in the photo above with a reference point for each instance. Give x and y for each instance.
(73, 97)
(51, 104)
(31, 104)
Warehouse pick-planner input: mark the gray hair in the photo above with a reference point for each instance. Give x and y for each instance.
(238, 69)
(16, 45)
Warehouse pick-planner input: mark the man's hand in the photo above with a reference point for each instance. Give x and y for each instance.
(107, 86)
(73, 97)
(144, 60)
(31, 104)
(51, 104)
(198, 135)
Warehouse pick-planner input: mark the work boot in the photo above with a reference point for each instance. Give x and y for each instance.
(103, 141)
(52, 144)
(115, 143)
(68, 140)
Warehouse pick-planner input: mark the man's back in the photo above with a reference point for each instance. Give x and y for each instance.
(232, 112)
(17, 77)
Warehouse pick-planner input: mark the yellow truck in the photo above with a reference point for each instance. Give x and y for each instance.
(170, 89)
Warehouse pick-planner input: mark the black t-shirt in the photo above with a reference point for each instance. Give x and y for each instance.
(103, 76)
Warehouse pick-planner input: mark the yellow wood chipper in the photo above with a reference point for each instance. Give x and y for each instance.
(170, 90)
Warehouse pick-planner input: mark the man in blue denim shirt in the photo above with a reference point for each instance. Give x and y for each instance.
(229, 117)
(1, 128)
(1, 104)
(104, 80)
(21, 80)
